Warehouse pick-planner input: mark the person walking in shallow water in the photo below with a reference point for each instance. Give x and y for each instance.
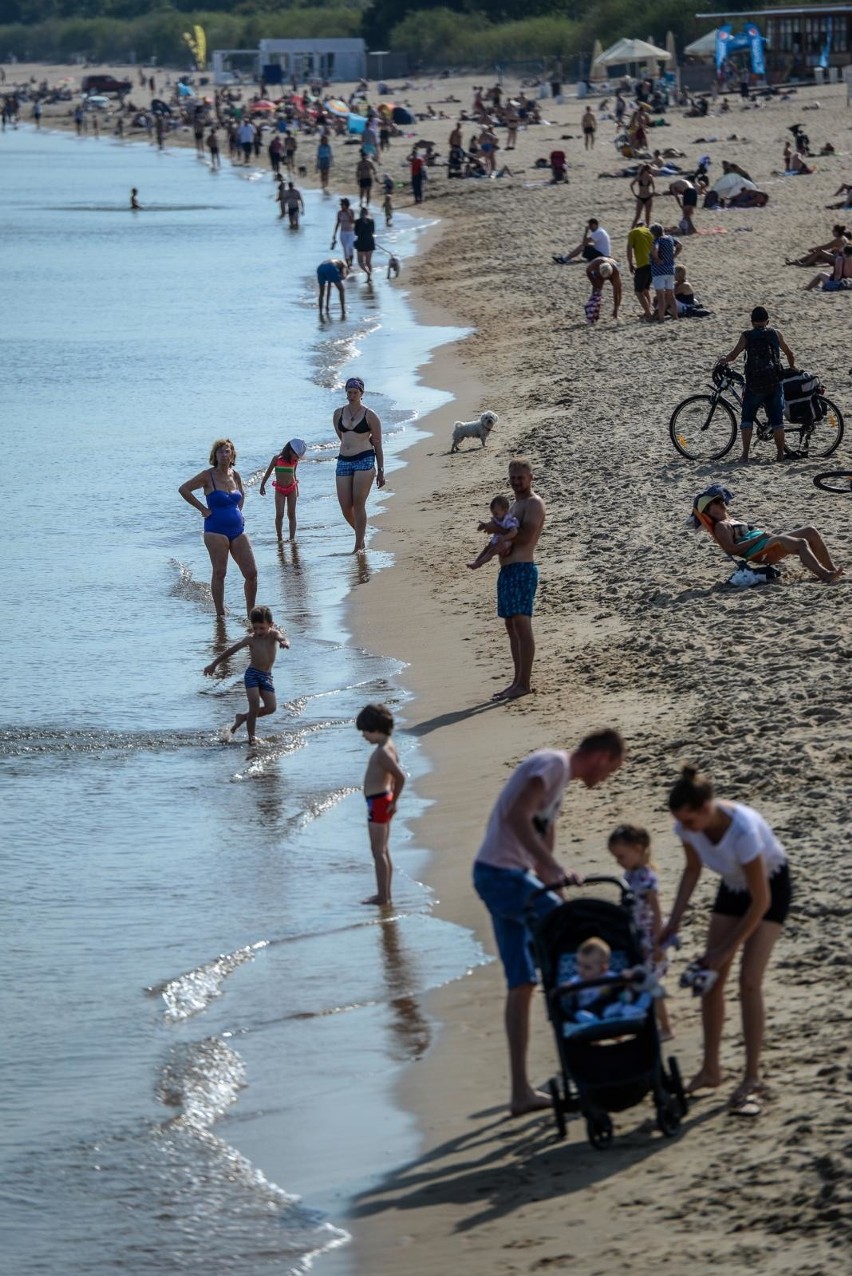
(359, 431)
(516, 859)
(224, 525)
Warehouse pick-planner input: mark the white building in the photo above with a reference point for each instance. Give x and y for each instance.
(283, 60)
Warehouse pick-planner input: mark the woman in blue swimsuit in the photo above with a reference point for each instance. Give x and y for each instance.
(360, 433)
(224, 525)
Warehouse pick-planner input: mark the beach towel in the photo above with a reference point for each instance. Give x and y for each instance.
(592, 308)
(712, 230)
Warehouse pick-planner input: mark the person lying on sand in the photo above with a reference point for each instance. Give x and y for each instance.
(837, 280)
(823, 253)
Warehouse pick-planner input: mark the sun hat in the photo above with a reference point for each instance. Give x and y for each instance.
(299, 446)
(705, 499)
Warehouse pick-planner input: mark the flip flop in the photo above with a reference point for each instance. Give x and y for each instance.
(750, 1106)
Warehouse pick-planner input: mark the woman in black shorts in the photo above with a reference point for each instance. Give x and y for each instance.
(753, 900)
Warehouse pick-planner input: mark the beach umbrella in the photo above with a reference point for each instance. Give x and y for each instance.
(703, 47)
(263, 106)
(597, 50)
(627, 51)
(336, 106)
(671, 49)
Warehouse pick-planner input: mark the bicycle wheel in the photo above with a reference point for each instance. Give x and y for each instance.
(703, 427)
(835, 481)
(828, 431)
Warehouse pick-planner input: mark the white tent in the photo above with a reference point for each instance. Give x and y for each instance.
(703, 47)
(626, 51)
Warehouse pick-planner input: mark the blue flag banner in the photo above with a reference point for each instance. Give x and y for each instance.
(756, 42)
(723, 38)
(825, 56)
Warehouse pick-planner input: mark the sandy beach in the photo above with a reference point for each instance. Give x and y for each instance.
(635, 628)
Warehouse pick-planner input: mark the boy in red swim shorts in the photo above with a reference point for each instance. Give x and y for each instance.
(384, 780)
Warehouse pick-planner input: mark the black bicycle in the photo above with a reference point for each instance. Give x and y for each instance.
(835, 481)
(704, 426)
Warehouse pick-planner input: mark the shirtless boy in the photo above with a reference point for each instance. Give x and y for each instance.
(517, 579)
(384, 780)
(263, 643)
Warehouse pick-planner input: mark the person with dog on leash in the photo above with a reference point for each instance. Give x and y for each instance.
(517, 579)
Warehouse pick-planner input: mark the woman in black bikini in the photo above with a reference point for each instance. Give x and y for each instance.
(642, 188)
(360, 433)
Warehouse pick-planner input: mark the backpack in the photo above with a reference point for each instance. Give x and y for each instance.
(762, 363)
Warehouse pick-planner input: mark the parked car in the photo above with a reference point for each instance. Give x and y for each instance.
(105, 84)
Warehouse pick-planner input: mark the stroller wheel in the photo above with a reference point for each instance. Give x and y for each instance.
(668, 1116)
(676, 1086)
(558, 1107)
(599, 1130)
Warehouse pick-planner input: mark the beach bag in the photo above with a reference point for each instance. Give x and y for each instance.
(762, 363)
(801, 396)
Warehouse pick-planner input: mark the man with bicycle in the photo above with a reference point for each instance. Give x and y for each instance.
(763, 386)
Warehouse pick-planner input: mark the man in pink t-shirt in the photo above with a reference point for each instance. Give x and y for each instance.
(515, 860)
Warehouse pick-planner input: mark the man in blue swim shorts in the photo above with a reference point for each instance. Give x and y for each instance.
(516, 859)
(517, 579)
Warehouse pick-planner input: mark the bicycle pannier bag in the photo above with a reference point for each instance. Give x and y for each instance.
(801, 395)
(762, 365)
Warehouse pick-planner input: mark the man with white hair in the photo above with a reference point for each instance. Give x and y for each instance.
(598, 272)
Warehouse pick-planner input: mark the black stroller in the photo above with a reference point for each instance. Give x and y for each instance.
(609, 1065)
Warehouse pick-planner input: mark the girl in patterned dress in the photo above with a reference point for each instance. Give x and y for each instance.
(630, 846)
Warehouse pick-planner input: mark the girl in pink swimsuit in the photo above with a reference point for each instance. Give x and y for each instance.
(286, 484)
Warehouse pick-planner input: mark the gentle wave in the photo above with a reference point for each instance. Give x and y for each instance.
(189, 994)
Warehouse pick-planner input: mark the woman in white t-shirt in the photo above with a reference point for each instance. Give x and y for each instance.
(752, 902)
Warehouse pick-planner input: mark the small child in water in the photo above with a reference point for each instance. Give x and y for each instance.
(384, 780)
(504, 528)
(263, 643)
(387, 207)
(630, 846)
(286, 484)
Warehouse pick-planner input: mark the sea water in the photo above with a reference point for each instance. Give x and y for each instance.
(201, 1023)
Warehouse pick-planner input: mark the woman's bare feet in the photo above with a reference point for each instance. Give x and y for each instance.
(831, 577)
(704, 1080)
(532, 1101)
(375, 899)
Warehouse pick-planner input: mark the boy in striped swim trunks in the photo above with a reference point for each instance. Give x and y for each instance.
(517, 579)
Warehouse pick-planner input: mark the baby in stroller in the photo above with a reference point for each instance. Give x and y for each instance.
(607, 1042)
(597, 1000)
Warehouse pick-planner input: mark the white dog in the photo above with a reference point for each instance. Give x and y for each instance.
(479, 429)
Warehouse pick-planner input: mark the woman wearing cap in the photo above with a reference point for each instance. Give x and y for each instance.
(751, 905)
(743, 540)
(286, 484)
(360, 433)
